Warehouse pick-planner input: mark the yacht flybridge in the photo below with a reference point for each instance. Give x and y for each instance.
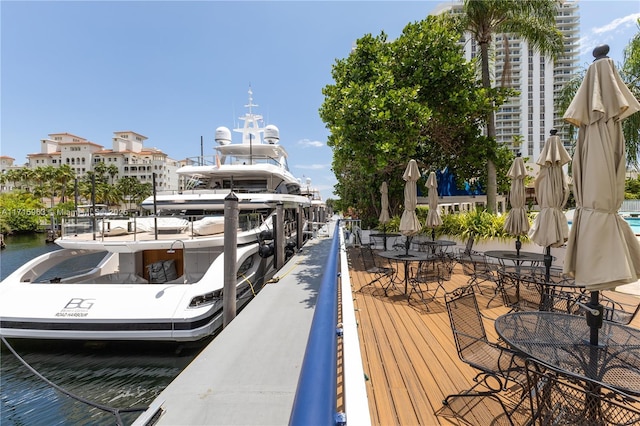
(160, 277)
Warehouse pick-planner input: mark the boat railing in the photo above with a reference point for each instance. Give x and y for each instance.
(210, 160)
(223, 191)
(134, 228)
(316, 395)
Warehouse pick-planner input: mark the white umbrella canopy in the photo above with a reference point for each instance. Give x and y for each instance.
(517, 222)
(550, 228)
(433, 215)
(602, 250)
(409, 223)
(384, 203)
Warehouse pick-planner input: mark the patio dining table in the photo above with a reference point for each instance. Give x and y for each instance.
(515, 265)
(562, 340)
(556, 288)
(436, 246)
(513, 256)
(406, 258)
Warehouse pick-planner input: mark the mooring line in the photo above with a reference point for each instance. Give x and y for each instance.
(115, 411)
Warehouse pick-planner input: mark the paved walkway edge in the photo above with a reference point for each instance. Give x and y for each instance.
(249, 373)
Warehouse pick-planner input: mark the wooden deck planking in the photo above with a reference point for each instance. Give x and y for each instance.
(410, 357)
(412, 354)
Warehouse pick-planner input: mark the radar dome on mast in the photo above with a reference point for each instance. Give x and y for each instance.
(271, 134)
(223, 135)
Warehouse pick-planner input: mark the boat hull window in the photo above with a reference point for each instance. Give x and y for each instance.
(246, 185)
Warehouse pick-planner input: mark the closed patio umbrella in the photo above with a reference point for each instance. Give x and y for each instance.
(409, 224)
(517, 222)
(384, 203)
(550, 228)
(602, 250)
(384, 211)
(433, 216)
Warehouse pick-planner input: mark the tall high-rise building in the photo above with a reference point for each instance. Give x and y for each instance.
(523, 123)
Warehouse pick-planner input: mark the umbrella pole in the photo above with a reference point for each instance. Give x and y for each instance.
(384, 236)
(594, 321)
(518, 245)
(547, 263)
(546, 300)
(433, 234)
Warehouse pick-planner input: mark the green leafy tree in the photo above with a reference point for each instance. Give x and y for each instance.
(531, 20)
(415, 97)
(21, 211)
(632, 189)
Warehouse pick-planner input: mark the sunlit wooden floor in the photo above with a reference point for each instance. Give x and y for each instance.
(410, 358)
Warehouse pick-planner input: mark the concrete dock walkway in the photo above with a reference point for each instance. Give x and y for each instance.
(249, 373)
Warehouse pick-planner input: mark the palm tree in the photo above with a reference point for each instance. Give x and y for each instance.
(13, 176)
(45, 177)
(112, 171)
(25, 176)
(127, 186)
(64, 175)
(531, 20)
(630, 74)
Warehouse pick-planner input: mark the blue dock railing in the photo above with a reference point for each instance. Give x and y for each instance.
(316, 400)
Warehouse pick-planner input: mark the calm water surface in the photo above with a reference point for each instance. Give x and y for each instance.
(118, 375)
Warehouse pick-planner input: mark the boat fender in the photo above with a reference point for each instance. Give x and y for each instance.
(289, 250)
(266, 234)
(266, 250)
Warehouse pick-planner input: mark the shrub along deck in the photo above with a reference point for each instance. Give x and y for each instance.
(410, 357)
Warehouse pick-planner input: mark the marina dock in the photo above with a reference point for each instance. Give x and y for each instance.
(249, 373)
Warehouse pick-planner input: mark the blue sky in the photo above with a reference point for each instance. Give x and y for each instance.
(175, 71)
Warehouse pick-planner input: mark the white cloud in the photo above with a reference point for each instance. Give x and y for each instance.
(313, 166)
(607, 34)
(310, 143)
(625, 21)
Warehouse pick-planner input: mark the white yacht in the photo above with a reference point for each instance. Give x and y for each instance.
(161, 277)
(318, 209)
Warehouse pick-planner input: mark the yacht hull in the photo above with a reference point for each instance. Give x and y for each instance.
(91, 308)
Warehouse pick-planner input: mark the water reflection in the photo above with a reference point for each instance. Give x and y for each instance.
(114, 374)
(20, 249)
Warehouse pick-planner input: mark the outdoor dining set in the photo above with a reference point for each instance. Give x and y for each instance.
(544, 346)
(565, 345)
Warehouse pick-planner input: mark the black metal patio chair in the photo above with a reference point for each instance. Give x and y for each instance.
(480, 271)
(495, 363)
(614, 310)
(463, 254)
(558, 397)
(381, 269)
(426, 275)
(519, 289)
